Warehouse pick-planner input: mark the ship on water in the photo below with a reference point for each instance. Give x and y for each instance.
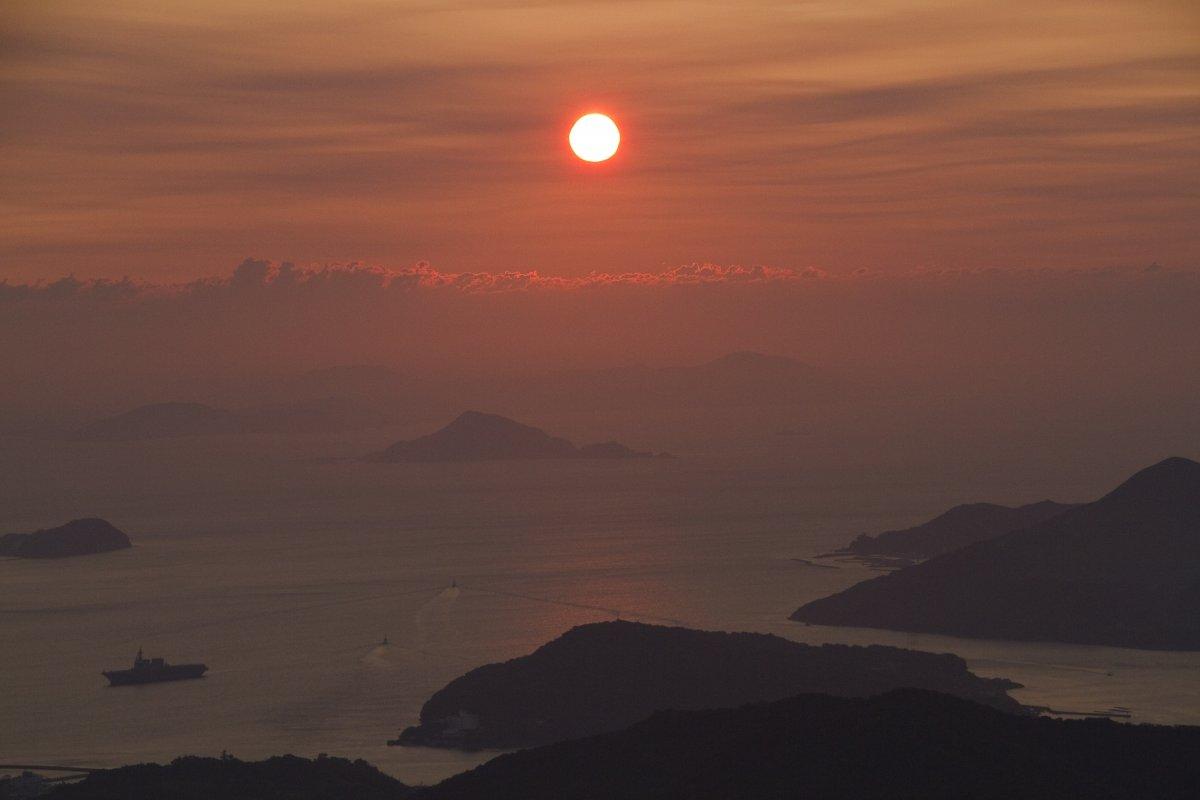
(153, 670)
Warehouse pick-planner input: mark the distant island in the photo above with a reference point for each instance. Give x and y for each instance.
(163, 420)
(1121, 571)
(904, 744)
(363, 396)
(475, 436)
(609, 675)
(79, 537)
(958, 527)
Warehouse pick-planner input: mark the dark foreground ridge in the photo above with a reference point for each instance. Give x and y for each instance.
(906, 743)
(278, 778)
(475, 436)
(1123, 571)
(79, 537)
(608, 675)
(958, 527)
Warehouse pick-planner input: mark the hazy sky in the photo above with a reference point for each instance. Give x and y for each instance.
(170, 140)
(1050, 334)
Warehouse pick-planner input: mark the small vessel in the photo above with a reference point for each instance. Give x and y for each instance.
(153, 670)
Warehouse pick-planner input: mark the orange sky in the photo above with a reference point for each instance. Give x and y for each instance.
(170, 140)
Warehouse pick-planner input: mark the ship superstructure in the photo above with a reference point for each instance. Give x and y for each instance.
(153, 670)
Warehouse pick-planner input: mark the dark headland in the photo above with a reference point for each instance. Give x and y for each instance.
(475, 436)
(958, 527)
(907, 743)
(79, 537)
(1123, 571)
(608, 675)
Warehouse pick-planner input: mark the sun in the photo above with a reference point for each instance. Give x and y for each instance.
(594, 137)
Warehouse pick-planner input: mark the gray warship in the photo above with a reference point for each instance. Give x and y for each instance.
(153, 670)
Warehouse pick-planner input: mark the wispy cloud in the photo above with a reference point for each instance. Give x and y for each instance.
(159, 140)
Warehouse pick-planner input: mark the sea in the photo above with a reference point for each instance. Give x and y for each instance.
(284, 562)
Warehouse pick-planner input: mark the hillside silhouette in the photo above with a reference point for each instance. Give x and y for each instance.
(958, 527)
(278, 778)
(608, 675)
(901, 745)
(1123, 570)
(907, 743)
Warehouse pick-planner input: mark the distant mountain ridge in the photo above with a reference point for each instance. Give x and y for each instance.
(171, 419)
(358, 396)
(159, 420)
(365, 381)
(78, 537)
(476, 436)
(737, 379)
(608, 675)
(958, 527)
(1122, 571)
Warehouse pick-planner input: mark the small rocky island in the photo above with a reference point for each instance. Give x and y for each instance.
(475, 436)
(1122, 571)
(608, 675)
(79, 537)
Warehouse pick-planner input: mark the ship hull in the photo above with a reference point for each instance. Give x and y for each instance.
(175, 672)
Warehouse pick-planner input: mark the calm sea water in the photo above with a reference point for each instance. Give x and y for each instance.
(284, 572)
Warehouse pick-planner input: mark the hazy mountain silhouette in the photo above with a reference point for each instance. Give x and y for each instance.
(733, 380)
(79, 537)
(907, 743)
(357, 396)
(1123, 570)
(475, 436)
(161, 420)
(608, 675)
(958, 527)
(360, 380)
(741, 378)
(334, 413)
